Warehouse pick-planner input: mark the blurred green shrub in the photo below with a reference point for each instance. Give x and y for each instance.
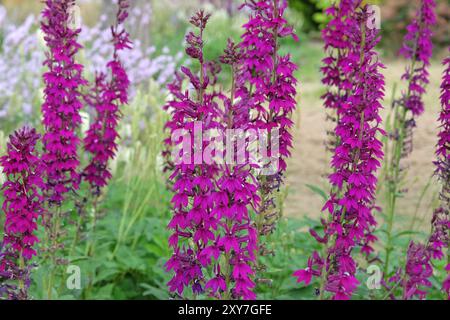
(310, 14)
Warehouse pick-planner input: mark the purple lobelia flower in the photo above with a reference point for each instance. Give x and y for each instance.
(355, 163)
(23, 169)
(418, 270)
(194, 182)
(267, 85)
(61, 118)
(213, 230)
(22, 205)
(236, 194)
(336, 45)
(107, 96)
(418, 48)
(14, 279)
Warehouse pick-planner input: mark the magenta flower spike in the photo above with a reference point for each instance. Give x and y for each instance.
(213, 230)
(418, 47)
(107, 96)
(269, 73)
(337, 44)
(235, 196)
(418, 270)
(193, 223)
(22, 192)
(61, 118)
(355, 162)
(266, 87)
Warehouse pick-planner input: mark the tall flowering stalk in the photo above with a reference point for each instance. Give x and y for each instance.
(267, 83)
(22, 206)
(61, 119)
(194, 183)
(236, 194)
(417, 48)
(355, 162)
(107, 96)
(337, 45)
(213, 230)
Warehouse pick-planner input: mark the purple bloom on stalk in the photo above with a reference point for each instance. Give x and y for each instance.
(266, 91)
(23, 169)
(14, 280)
(211, 221)
(355, 162)
(194, 184)
(418, 47)
(269, 73)
(337, 43)
(62, 104)
(107, 96)
(418, 270)
(22, 206)
(443, 147)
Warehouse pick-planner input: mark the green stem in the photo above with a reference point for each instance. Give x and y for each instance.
(22, 269)
(53, 248)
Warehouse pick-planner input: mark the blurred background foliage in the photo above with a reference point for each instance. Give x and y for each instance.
(306, 15)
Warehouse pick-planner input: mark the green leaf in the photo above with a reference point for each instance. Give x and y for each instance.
(405, 233)
(317, 190)
(157, 293)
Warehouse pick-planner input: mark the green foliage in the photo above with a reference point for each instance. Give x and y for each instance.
(292, 247)
(310, 13)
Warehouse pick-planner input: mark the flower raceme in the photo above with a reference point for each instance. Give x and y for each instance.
(337, 44)
(418, 47)
(106, 98)
(262, 99)
(355, 162)
(22, 191)
(271, 75)
(418, 270)
(193, 222)
(235, 196)
(266, 84)
(213, 228)
(61, 118)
